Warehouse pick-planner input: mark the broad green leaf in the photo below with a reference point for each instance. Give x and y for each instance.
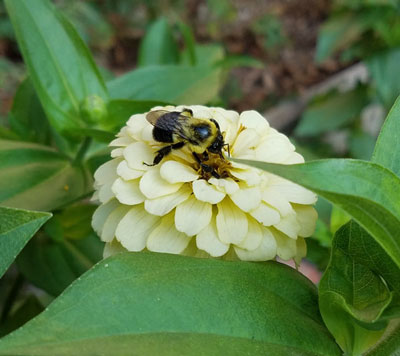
(175, 305)
(39, 178)
(16, 228)
(356, 288)
(389, 345)
(190, 42)
(54, 265)
(27, 117)
(168, 83)
(387, 149)
(331, 112)
(206, 54)
(338, 219)
(158, 45)
(60, 66)
(336, 34)
(120, 110)
(384, 70)
(367, 191)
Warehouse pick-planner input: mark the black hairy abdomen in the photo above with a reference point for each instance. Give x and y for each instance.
(161, 135)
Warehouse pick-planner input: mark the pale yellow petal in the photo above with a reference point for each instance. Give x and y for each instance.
(289, 225)
(135, 227)
(273, 197)
(106, 173)
(112, 222)
(127, 173)
(250, 176)
(136, 124)
(101, 214)
(117, 152)
(175, 172)
(207, 192)
(228, 185)
(152, 185)
(307, 217)
(294, 158)
(163, 205)
(105, 192)
(286, 247)
(265, 251)
(301, 250)
(253, 237)
(112, 248)
(128, 192)
(293, 192)
(248, 139)
(232, 223)
(147, 133)
(247, 198)
(254, 120)
(275, 149)
(192, 216)
(165, 238)
(137, 153)
(208, 241)
(121, 141)
(265, 214)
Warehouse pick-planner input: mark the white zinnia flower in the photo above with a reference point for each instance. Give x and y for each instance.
(174, 208)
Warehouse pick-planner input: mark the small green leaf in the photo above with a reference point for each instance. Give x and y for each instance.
(337, 34)
(387, 149)
(16, 228)
(352, 293)
(158, 45)
(190, 42)
(27, 117)
(168, 83)
(173, 305)
(38, 177)
(206, 54)
(366, 191)
(60, 65)
(331, 112)
(384, 70)
(53, 265)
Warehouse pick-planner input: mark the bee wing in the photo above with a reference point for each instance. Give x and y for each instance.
(170, 121)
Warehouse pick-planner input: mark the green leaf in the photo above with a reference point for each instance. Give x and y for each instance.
(190, 42)
(54, 265)
(352, 293)
(168, 83)
(366, 191)
(361, 145)
(27, 117)
(206, 54)
(331, 112)
(158, 45)
(387, 148)
(338, 33)
(384, 70)
(38, 177)
(233, 61)
(16, 228)
(120, 110)
(60, 65)
(389, 345)
(174, 305)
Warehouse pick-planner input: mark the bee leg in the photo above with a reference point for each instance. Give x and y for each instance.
(161, 153)
(205, 167)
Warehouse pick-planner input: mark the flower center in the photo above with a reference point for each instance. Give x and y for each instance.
(214, 164)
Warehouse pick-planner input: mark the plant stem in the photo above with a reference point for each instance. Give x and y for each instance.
(82, 151)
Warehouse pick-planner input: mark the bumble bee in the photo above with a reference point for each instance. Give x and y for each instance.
(180, 129)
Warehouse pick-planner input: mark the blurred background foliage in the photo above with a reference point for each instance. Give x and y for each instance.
(241, 55)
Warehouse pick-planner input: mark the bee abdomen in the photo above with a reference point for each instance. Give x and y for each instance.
(161, 135)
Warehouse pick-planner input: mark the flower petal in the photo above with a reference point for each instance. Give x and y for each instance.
(275, 149)
(307, 218)
(254, 120)
(121, 141)
(163, 205)
(127, 173)
(175, 172)
(246, 140)
(273, 197)
(293, 192)
(106, 172)
(264, 252)
(153, 186)
(208, 241)
(137, 153)
(192, 216)
(250, 176)
(165, 238)
(117, 152)
(128, 192)
(265, 214)
(135, 227)
(247, 198)
(101, 214)
(112, 221)
(286, 247)
(112, 248)
(301, 251)
(232, 223)
(136, 124)
(253, 237)
(207, 192)
(289, 225)
(228, 186)
(105, 192)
